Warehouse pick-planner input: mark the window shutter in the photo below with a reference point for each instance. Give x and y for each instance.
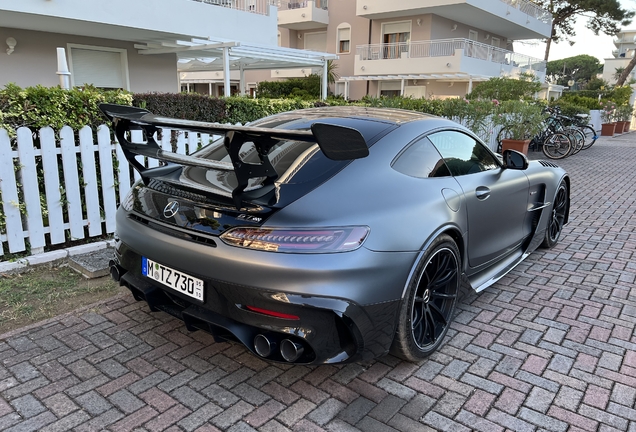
(97, 67)
(401, 27)
(316, 41)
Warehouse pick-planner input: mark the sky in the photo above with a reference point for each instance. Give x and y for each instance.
(600, 46)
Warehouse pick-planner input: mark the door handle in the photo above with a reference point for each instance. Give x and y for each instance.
(482, 193)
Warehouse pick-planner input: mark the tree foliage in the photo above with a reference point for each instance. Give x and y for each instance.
(604, 16)
(502, 88)
(581, 69)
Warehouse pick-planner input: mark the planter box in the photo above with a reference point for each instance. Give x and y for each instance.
(620, 126)
(607, 129)
(519, 145)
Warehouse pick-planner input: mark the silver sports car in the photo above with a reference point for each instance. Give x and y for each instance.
(329, 234)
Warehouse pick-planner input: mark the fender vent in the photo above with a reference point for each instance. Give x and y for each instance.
(548, 164)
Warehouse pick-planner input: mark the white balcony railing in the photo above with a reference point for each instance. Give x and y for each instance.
(530, 9)
(260, 7)
(299, 4)
(447, 47)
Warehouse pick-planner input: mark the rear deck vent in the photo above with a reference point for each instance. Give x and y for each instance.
(163, 187)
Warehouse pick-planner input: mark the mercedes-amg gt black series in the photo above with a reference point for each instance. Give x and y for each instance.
(328, 234)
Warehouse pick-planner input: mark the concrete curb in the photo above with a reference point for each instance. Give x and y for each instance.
(60, 256)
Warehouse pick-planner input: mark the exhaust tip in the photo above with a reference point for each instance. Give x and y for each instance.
(115, 274)
(262, 345)
(290, 350)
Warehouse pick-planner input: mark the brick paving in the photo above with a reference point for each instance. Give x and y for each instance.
(550, 347)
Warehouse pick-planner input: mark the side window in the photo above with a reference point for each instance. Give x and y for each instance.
(462, 153)
(420, 159)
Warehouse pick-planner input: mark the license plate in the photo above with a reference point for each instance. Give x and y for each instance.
(172, 278)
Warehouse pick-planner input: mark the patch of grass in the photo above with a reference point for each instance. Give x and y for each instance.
(46, 292)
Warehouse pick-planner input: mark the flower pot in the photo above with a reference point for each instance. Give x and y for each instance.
(512, 144)
(620, 127)
(607, 129)
(626, 128)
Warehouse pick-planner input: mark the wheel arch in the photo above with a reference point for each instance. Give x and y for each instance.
(566, 178)
(455, 234)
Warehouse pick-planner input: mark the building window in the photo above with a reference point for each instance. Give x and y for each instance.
(101, 67)
(344, 39)
(396, 37)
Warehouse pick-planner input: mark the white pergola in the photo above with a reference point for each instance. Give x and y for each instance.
(452, 77)
(223, 55)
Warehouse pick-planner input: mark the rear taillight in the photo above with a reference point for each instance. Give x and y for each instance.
(297, 240)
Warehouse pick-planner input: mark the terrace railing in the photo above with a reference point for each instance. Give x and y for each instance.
(530, 9)
(260, 7)
(300, 4)
(447, 47)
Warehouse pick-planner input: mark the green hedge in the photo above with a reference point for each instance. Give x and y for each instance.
(37, 107)
(191, 106)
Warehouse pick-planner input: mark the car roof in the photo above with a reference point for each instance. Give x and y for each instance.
(386, 115)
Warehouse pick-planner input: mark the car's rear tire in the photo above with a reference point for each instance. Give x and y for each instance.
(558, 214)
(429, 303)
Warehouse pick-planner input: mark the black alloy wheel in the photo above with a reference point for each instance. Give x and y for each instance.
(427, 311)
(558, 216)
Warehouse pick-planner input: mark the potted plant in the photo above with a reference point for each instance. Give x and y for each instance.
(608, 117)
(521, 120)
(624, 116)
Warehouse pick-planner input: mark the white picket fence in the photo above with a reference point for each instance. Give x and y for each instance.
(90, 210)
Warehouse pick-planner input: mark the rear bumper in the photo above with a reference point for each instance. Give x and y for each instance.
(346, 304)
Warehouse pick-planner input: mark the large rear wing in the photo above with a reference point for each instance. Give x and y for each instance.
(336, 142)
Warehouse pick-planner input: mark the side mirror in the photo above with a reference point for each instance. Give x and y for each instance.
(515, 160)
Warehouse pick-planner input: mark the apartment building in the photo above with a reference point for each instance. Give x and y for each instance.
(419, 48)
(625, 49)
(142, 45)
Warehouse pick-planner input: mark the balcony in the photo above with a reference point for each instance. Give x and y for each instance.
(252, 21)
(514, 19)
(260, 7)
(303, 14)
(443, 57)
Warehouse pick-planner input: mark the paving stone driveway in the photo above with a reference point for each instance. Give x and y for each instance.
(550, 347)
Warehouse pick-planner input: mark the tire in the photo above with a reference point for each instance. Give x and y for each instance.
(556, 146)
(579, 139)
(428, 306)
(590, 136)
(558, 215)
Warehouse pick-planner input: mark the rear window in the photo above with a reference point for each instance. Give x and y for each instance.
(294, 161)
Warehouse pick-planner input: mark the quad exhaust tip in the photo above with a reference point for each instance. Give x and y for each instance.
(290, 350)
(115, 272)
(263, 345)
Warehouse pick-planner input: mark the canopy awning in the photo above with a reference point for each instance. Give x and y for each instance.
(224, 55)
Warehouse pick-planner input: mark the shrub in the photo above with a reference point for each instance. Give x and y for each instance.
(503, 89)
(571, 109)
(38, 107)
(305, 88)
(522, 119)
(191, 106)
(577, 99)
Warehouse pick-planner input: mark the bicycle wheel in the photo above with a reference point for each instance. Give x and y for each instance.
(579, 139)
(590, 136)
(557, 146)
(504, 133)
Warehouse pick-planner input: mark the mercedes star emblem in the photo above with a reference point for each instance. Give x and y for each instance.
(171, 209)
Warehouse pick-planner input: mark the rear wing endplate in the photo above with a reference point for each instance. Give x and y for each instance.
(336, 142)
